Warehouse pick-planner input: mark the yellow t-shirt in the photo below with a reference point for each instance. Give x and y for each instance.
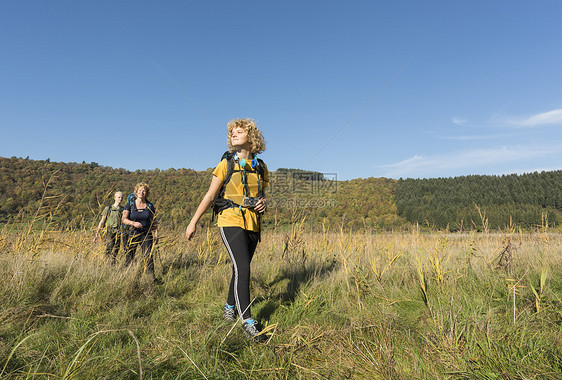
(232, 217)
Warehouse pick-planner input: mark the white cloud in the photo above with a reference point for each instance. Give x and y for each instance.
(473, 137)
(474, 161)
(458, 121)
(546, 118)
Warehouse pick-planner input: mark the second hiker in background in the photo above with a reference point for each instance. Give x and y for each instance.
(110, 226)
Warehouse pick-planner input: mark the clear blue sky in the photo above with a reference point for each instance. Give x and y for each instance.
(115, 82)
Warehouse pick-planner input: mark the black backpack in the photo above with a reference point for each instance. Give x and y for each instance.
(220, 203)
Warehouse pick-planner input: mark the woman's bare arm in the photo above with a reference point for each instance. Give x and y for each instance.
(206, 202)
(125, 219)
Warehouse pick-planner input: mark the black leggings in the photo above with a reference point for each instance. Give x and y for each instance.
(240, 245)
(132, 242)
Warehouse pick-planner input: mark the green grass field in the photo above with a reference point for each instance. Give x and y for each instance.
(335, 305)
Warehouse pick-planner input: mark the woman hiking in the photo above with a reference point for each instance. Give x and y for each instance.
(140, 214)
(237, 196)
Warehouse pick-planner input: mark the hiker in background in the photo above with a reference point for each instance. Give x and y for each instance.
(140, 215)
(111, 224)
(236, 193)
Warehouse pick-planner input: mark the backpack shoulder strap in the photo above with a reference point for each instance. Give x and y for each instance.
(110, 208)
(229, 157)
(261, 172)
(261, 167)
(151, 207)
(220, 203)
(229, 166)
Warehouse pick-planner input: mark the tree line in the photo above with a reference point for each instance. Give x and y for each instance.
(74, 194)
(479, 201)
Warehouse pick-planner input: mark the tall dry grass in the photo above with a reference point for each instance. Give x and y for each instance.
(336, 304)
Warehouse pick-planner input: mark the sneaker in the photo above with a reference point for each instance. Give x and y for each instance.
(229, 313)
(251, 329)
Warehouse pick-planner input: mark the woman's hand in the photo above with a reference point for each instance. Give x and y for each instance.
(125, 219)
(190, 231)
(261, 206)
(206, 202)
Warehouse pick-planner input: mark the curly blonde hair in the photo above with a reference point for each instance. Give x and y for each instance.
(257, 142)
(143, 185)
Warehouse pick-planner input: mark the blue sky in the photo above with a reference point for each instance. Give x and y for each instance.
(357, 88)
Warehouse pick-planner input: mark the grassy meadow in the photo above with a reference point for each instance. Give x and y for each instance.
(335, 305)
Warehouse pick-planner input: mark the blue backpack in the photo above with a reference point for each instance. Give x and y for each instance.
(131, 198)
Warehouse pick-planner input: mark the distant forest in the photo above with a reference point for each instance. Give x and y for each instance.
(72, 195)
(470, 202)
(76, 193)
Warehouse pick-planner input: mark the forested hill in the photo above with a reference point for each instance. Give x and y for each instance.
(75, 193)
(526, 200)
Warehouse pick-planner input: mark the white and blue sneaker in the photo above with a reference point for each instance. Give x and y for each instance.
(250, 327)
(229, 313)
